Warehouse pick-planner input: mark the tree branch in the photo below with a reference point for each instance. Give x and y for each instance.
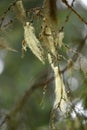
(75, 56)
(20, 104)
(78, 15)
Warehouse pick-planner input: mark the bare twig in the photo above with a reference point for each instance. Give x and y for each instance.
(74, 11)
(27, 94)
(67, 17)
(6, 11)
(6, 47)
(75, 56)
(20, 104)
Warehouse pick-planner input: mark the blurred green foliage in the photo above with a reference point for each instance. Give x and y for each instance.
(18, 73)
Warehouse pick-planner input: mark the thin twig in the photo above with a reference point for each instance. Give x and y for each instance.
(75, 56)
(67, 17)
(74, 11)
(6, 11)
(20, 104)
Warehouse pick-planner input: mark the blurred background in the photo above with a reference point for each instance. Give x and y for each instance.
(17, 74)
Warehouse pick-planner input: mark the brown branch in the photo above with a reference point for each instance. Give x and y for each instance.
(6, 11)
(75, 56)
(78, 15)
(18, 107)
(20, 104)
(67, 17)
(6, 47)
(53, 10)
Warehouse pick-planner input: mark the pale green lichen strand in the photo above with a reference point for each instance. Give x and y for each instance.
(32, 42)
(61, 99)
